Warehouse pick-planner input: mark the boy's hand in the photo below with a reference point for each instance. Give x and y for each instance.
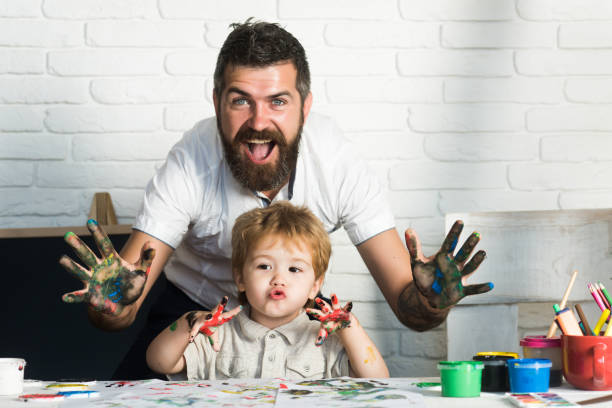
(441, 277)
(110, 283)
(331, 320)
(207, 322)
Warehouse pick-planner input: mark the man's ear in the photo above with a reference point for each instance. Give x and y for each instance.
(216, 102)
(307, 105)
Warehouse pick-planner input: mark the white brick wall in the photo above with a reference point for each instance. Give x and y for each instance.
(458, 105)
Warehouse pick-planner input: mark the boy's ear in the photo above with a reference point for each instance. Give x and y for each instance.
(239, 281)
(315, 288)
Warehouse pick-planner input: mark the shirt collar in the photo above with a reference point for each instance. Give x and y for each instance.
(291, 331)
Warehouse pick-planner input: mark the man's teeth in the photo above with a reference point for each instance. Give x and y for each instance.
(259, 141)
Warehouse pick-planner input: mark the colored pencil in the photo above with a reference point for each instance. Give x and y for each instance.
(596, 400)
(584, 320)
(602, 320)
(605, 292)
(601, 295)
(553, 326)
(596, 297)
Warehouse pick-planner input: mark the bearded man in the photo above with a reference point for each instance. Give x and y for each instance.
(263, 145)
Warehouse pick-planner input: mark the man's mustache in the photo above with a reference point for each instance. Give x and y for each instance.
(245, 134)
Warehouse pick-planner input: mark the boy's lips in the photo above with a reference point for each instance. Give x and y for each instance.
(277, 294)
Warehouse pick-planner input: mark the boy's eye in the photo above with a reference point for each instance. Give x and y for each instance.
(294, 269)
(264, 266)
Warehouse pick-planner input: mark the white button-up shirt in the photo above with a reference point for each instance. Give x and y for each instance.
(193, 200)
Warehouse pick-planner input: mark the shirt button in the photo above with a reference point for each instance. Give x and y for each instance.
(306, 368)
(271, 358)
(273, 336)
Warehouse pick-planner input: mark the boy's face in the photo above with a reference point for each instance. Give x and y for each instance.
(278, 279)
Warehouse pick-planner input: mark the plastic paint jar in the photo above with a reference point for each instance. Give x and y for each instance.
(495, 374)
(460, 378)
(541, 347)
(11, 375)
(529, 374)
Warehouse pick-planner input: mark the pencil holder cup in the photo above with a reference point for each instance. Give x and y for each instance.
(587, 361)
(11, 375)
(541, 347)
(529, 374)
(460, 378)
(495, 373)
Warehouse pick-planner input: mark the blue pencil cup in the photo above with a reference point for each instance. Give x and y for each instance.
(529, 374)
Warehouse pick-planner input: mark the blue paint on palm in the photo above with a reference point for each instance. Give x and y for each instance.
(436, 287)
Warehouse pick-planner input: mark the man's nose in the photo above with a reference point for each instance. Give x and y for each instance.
(260, 118)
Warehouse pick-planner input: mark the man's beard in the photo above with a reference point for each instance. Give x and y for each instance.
(261, 177)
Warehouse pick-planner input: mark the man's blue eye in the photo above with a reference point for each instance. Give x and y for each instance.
(278, 102)
(239, 101)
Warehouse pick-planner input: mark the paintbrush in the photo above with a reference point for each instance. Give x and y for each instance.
(553, 326)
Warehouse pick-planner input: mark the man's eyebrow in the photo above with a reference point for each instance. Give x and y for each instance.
(237, 90)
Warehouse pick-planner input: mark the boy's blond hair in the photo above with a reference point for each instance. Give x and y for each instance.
(284, 219)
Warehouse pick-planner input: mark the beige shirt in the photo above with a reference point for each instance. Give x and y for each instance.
(250, 350)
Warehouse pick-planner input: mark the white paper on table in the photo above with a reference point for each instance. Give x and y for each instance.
(249, 393)
(349, 392)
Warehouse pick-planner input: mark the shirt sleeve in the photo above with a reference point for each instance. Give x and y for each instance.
(170, 198)
(363, 205)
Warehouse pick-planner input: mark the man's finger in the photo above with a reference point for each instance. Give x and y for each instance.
(413, 243)
(75, 297)
(450, 242)
(466, 249)
(102, 240)
(75, 269)
(474, 263)
(477, 288)
(81, 249)
(146, 257)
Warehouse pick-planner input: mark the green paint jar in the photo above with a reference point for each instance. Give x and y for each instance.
(460, 378)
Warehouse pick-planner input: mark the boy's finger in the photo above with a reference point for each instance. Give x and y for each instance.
(322, 305)
(322, 336)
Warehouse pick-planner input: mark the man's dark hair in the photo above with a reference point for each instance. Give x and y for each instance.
(261, 44)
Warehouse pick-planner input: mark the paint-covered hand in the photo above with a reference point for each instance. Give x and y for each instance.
(110, 282)
(332, 319)
(207, 322)
(441, 277)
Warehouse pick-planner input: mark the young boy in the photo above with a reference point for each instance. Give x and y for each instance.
(279, 258)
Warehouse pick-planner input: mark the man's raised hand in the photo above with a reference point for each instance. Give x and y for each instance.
(441, 277)
(110, 282)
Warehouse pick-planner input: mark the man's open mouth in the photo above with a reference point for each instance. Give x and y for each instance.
(259, 150)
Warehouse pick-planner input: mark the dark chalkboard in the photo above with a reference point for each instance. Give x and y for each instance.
(56, 339)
